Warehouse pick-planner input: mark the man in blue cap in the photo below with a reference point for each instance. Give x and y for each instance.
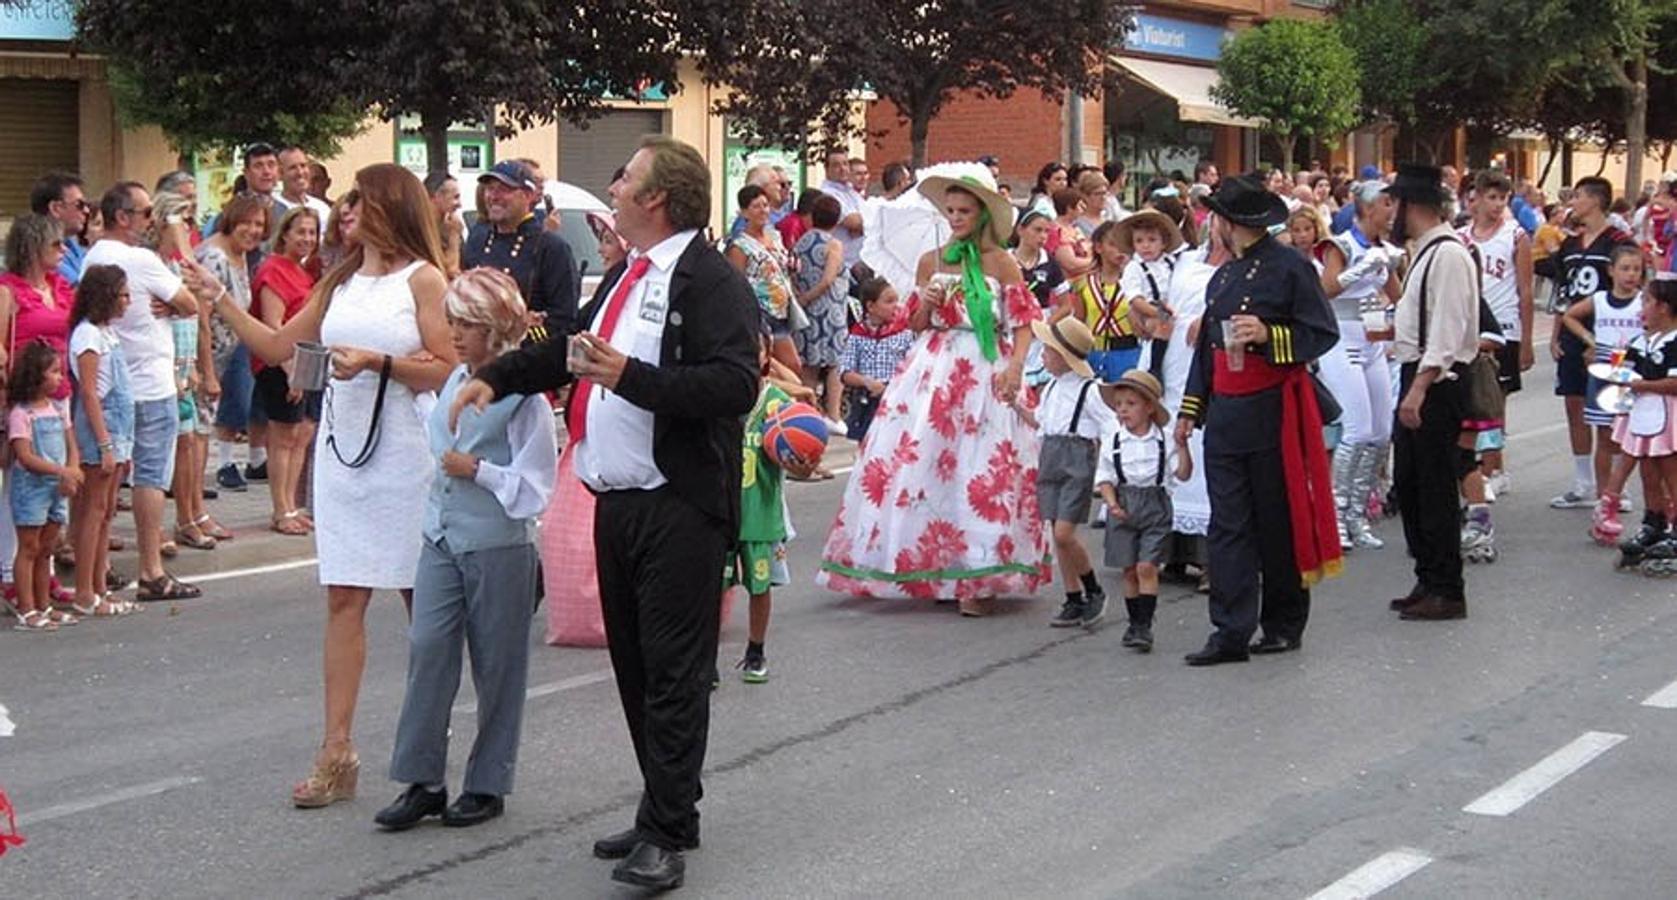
(510, 237)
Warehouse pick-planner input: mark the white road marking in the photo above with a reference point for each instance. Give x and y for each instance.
(150, 789)
(1535, 432)
(254, 570)
(1528, 785)
(7, 726)
(1664, 698)
(1376, 875)
(552, 687)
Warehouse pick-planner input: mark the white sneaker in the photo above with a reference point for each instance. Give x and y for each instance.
(1499, 483)
(838, 428)
(1624, 504)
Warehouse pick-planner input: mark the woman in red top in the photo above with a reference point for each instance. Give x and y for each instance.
(281, 289)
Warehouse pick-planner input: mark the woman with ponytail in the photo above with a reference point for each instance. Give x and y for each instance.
(942, 503)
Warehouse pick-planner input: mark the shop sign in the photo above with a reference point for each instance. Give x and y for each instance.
(737, 160)
(468, 157)
(38, 20)
(1161, 36)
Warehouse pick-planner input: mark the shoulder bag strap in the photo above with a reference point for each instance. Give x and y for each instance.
(1421, 343)
(371, 443)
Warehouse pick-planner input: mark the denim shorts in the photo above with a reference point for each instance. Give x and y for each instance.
(237, 385)
(156, 424)
(35, 499)
(119, 424)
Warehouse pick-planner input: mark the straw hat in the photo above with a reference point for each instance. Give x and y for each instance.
(1071, 338)
(975, 179)
(1150, 217)
(1143, 383)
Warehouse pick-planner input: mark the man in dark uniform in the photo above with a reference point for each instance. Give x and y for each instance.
(1266, 469)
(511, 238)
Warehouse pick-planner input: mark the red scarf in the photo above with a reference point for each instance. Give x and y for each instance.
(1304, 461)
(862, 329)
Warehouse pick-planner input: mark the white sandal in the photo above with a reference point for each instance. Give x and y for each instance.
(61, 618)
(35, 620)
(100, 608)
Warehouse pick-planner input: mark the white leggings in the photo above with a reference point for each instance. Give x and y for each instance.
(1356, 373)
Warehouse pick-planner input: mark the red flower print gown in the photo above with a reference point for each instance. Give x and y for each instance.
(942, 501)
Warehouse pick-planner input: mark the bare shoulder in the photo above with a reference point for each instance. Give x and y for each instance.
(428, 280)
(1000, 265)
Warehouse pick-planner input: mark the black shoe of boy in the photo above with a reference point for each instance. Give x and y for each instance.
(1094, 608)
(1139, 637)
(1070, 615)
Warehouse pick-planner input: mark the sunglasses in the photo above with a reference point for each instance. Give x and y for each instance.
(143, 212)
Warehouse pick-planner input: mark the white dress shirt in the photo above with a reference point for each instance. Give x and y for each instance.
(525, 483)
(1140, 454)
(1059, 401)
(616, 453)
(1452, 279)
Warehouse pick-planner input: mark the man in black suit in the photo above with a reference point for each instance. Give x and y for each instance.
(664, 374)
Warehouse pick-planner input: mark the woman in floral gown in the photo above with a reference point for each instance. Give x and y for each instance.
(942, 502)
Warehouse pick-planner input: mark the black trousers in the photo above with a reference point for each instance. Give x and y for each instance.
(660, 570)
(1425, 468)
(1254, 575)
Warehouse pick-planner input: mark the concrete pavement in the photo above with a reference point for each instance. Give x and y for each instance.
(902, 751)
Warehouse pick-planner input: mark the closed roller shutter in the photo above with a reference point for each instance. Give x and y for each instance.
(39, 122)
(588, 157)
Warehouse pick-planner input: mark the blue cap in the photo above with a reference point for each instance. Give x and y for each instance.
(513, 174)
(1368, 173)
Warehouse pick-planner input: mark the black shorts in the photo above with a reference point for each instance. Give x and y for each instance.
(1571, 380)
(271, 390)
(1508, 367)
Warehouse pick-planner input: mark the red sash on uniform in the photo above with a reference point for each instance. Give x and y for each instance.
(1304, 461)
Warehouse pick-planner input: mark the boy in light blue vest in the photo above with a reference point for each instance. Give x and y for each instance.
(477, 579)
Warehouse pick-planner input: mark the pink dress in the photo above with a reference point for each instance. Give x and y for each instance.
(568, 568)
(35, 320)
(942, 501)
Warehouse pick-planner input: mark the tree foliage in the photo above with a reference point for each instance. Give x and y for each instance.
(794, 64)
(1297, 76)
(1389, 40)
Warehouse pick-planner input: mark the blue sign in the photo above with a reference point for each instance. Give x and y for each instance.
(38, 20)
(1175, 37)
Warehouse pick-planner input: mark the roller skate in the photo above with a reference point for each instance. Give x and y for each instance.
(1633, 549)
(1605, 526)
(1479, 540)
(1660, 560)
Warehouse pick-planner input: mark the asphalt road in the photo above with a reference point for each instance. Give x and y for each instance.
(903, 751)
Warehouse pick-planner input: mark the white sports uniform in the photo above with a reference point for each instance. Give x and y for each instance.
(1500, 285)
(1356, 371)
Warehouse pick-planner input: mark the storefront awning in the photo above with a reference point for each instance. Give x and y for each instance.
(1189, 86)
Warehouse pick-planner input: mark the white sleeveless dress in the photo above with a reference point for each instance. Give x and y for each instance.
(367, 520)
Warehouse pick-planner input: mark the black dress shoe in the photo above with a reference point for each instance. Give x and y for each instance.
(621, 844)
(1213, 655)
(651, 866)
(473, 809)
(1434, 609)
(1273, 644)
(411, 808)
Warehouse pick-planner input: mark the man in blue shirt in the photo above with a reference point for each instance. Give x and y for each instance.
(58, 196)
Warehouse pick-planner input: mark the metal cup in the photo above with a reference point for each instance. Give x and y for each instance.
(311, 364)
(1235, 350)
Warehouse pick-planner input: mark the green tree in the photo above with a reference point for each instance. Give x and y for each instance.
(794, 64)
(1389, 40)
(1623, 38)
(1298, 77)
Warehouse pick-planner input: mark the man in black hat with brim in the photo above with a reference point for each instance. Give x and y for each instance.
(1272, 532)
(1437, 337)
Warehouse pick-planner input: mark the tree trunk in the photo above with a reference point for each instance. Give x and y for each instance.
(434, 128)
(1287, 142)
(1636, 124)
(1554, 154)
(919, 123)
(1606, 151)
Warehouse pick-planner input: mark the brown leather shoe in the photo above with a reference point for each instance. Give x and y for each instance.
(1399, 604)
(1434, 609)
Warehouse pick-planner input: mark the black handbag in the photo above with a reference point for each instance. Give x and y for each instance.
(371, 443)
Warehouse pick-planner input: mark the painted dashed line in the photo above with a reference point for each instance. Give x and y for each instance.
(1664, 698)
(149, 789)
(552, 687)
(1530, 784)
(7, 726)
(1376, 875)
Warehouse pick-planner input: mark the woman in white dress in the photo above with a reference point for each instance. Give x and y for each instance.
(380, 310)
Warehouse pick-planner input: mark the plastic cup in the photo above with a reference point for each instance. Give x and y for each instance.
(1235, 350)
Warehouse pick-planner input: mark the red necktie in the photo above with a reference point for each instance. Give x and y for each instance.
(576, 417)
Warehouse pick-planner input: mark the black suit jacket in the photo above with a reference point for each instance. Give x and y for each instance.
(706, 380)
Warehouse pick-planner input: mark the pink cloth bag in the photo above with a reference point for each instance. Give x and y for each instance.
(568, 573)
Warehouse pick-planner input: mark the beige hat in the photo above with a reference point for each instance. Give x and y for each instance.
(980, 184)
(1151, 217)
(1143, 383)
(1071, 338)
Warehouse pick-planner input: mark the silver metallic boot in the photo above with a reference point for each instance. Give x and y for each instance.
(1345, 458)
(1365, 480)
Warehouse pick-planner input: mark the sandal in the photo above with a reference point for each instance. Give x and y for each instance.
(291, 523)
(100, 608)
(166, 587)
(169, 549)
(61, 618)
(212, 528)
(190, 536)
(114, 582)
(126, 607)
(35, 620)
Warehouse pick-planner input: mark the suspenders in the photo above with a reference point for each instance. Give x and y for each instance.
(1118, 460)
(1076, 411)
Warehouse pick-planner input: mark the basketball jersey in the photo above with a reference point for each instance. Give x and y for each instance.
(1499, 284)
(1614, 325)
(1348, 304)
(1584, 270)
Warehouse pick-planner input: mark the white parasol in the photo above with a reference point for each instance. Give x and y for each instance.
(896, 233)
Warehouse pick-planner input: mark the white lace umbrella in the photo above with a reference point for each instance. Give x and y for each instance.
(896, 233)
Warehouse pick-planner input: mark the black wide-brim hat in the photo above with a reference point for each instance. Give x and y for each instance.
(1244, 200)
(1418, 182)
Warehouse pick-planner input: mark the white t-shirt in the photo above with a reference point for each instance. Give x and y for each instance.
(322, 210)
(148, 343)
(90, 337)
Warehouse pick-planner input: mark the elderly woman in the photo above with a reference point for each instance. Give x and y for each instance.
(757, 252)
(35, 304)
(1359, 276)
(477, 570)
(823, 288)
(942, 502)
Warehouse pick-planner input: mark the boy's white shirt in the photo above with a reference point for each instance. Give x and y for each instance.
(1059, 401)
(1134, 282)
(1141, 456)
